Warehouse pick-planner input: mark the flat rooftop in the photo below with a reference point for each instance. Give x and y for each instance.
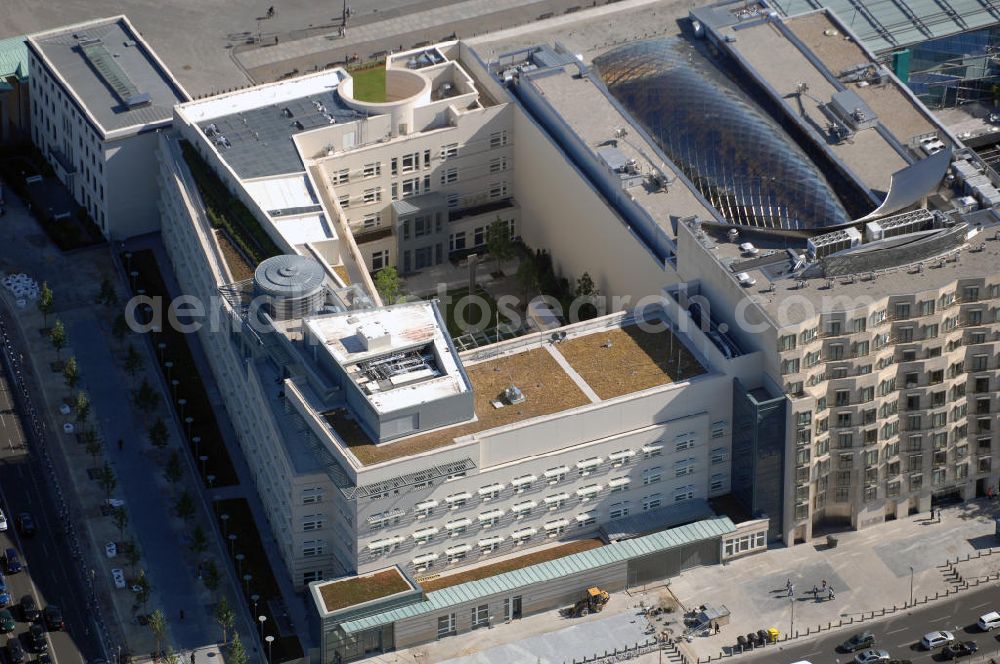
(111, 72)
(784, 67)
(349, 591)
(398, 356)
(593, 117)
(551, 380)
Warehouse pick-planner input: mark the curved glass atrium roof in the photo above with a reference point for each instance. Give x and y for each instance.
(739, 159)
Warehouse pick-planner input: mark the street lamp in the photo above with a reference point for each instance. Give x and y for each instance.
(133, 275)
(911, 585)
(262, 620)
(203, 458)
(162, 346)
(182, 402)
(168, 365)
(239, 564)
(247, 578)
(232, 542)
(254, 598)
(173, 387)
(270, 639)
(211, 478)
(197, 441)
(188, 420)
(225, 524)
(791, 625)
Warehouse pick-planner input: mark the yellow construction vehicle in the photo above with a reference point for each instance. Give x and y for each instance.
(593, 603)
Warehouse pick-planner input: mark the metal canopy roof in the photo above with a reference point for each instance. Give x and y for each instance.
(553, 569)
(884, 25)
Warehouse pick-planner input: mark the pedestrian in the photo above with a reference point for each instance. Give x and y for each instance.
(192, 657)
(716, 626)
(932, 514)
(791, 590)
(815, 590)
(830, 591)
(788, 584)
(824, 584)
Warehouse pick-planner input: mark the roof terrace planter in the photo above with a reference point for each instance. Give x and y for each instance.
(476, 210)
(363, 237)
(360, 589)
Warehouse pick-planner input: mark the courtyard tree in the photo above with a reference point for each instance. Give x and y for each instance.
(158, 624)
(210, 575)
(120, 517)
(107, 480)
(173, 471)
(133, 362)
(184, 507)
(132, 554)
(92, 444)
(82, 408)
(45, 302)
(237, 653)
(106, 295)
(199, 541)
(527, 277)
(499, 242)
(144, 589)
(388, 284)
(119, 328)
(147, 398)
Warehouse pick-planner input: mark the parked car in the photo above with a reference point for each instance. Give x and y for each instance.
(4, 593)
(937, 639)
(36, 637)
(3, 521)
(15, 651)
(53, 618)
(11, 561)
(29, 609)
(26, 524)
(858, 642)
(745, 279)
(748, 249)
(871, 656)
(7, 623)
(960, 649)
(989, 621)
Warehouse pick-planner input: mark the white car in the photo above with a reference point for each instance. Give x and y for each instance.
(871, 656)
(748, 249)
(3, 521)
(989, 621)
(745, 279)
(933, 640)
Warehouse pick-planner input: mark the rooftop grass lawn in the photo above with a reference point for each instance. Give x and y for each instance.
(511, 564)
(369, 85)
(362, 589)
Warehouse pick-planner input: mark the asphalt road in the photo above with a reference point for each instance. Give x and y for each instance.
(900, 634)
(47, 574)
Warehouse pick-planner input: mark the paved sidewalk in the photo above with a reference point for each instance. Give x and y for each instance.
(868, 570)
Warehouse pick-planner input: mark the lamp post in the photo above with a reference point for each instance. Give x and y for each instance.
(162, 346)
(210, 478)
(133, 275)
(128, 259)
(247, 578)
(255, 598)
(239, 564)
(168, 365)
(791, 625)
(225, 524)
(911, 585)
(203, 458)
(197, 441)
(182, 402)
(232, 542)
(270, 639)
(262, 620)
(188, 420)
(173, 387)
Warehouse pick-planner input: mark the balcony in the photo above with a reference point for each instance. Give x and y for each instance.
(485, 208)
(363, 236)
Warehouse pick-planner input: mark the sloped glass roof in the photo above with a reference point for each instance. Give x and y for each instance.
(739, 159)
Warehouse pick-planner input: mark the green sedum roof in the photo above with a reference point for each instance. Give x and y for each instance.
(572, 564)
(14, 58)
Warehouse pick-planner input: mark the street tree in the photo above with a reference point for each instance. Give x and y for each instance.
(157, 623)
(133, 362)
(71, 373)
(170, 657)
(173, 471)
(57, 337)
(499, 243)
(210, 575)
(92, 444)
(106, 295)
(147, 398)
(120, 517)
(199, 541)
(107, 480)
(237, 653)
(184, 507)
(158, 433)
(588, 294)
(225, 616)
(388, 285)
(132, 554)
(82, 408)
(119, 328)
(45, 302)
(145, 589)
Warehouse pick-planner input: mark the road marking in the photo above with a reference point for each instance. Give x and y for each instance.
(979, 606)
(896, 631)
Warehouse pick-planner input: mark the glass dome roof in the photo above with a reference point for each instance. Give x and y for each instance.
(738, 158)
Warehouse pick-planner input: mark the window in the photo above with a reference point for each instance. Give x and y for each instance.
(684, 442)
(685, 467)
(449, 175)
(651, 502)
(314, 495)
(522, 483)
(787, 342)
(523, 509)
(842, 398)
(902, 311)
(411, 187)
(372, 170)
(479, 236)
(556, 528)
(309, 577)
(410, 162)
(925, 308)
(498, 139)
(718, 483)
(312, 548)
(618, 510)
(498, 165)
(480, 616)
(652, 475)
(456, 241)
(447, 625)
(718, 455)
(684, 493)
(556, 501)
(650, 451)
(372, 220)
(490, 544)
(556, 475)
(425, 535)
(449, 151)
(586, 519)
(380, 259)
(312, 522)
(457, 500)
(619, 484)
(790, 366)
(490, 518)
(970, 294)
(342, 176)
(373, 195)
(490, 492)
(587, 466)
(498, 190)
(344, 201)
